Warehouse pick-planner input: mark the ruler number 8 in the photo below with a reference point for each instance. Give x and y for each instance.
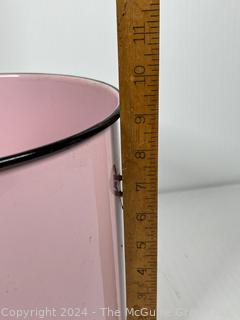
(140, 154)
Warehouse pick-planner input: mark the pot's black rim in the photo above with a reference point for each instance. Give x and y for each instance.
(64, 143)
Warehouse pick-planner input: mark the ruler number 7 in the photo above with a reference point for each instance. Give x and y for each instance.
(140, 186)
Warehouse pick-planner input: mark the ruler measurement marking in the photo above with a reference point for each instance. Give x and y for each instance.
(138, 27)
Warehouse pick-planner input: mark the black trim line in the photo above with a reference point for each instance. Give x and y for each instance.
(58, 145)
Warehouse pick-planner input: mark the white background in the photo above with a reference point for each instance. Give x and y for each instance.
(59, 36)
(199, 258)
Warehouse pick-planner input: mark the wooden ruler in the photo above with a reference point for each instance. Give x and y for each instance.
(138, 45)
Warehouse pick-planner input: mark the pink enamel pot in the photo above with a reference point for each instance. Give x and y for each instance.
(59, 206)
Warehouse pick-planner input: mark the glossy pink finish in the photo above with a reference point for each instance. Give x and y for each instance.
(58, 225)
(40, 109)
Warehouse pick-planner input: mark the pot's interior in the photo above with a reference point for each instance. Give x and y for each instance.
(38, 109)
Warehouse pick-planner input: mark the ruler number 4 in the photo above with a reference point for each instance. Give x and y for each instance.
(142, 271)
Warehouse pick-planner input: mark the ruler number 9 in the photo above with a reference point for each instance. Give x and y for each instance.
(139, 118)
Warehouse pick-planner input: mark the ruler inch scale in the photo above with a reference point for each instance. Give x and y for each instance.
(138, 50)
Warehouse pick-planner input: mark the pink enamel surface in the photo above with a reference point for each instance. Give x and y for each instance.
(39, 109)
(58, 231)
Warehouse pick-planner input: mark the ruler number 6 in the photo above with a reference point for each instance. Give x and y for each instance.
(141, 216)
